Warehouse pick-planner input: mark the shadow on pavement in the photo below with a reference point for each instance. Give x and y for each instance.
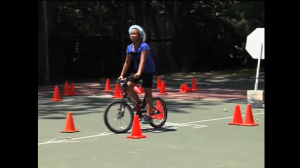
(165, 129)
(210, 82)
(88, 105)
(203, 82)
(211, 86)
(159, 130)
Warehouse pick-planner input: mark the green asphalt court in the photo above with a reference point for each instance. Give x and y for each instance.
(197, 134)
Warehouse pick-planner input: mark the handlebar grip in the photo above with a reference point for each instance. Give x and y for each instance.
(122, 80)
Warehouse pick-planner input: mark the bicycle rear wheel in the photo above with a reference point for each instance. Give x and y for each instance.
(160, 113)
(119, 110)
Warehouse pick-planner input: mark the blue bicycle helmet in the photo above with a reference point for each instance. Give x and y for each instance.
(141, 30)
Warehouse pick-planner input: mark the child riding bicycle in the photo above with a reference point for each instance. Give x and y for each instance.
(144, 68)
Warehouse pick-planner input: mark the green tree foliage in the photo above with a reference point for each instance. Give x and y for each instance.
(192, 35)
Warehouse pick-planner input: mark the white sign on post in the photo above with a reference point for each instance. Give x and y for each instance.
(255, 47)
(254, 42)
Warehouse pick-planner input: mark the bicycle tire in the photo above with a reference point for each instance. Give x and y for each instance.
(106, 120)
(165, 113)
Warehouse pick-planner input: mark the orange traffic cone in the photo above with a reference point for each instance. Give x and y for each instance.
(237, 118)
(117, 92)
(141, 89)
(137, 90)
(137, 129)
(160, 108)
(249, 121)
(194, 86)
(184, 88)
(73, 90)
(56, 96)
(158, 82)
(108, 88)
(163, 89)
(187, 89)
(67, 89)
(70, 125)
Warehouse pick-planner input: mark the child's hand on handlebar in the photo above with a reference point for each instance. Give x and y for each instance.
(121, 77)
(137, 75)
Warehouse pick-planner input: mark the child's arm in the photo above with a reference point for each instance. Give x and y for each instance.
(144, 56)
(126, 65)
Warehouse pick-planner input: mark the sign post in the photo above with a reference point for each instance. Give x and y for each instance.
(255, 47)
(257, 69)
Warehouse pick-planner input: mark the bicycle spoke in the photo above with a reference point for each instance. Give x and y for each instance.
(122, 120)
(117, 122)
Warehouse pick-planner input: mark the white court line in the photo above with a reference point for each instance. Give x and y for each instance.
(198, 126)
(67, 141)
(215, 119)
(101, 96)
(47, 142)
(84, 137)
(51, 140)
(105, 134)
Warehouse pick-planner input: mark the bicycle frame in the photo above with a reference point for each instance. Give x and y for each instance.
(125, 103)
(131, 100)
(127, 97)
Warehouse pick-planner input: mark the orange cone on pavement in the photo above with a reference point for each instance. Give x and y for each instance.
(163, 89)
(158, 83)
(187, 89)
(194, 85)
(117, 92)
(136, 129)
(160, 108)
(249, 121)
(141, 89)
(56, 96)
(137, 90)
(67, 89)
(73, 90)
(237, 118)
(70, 124)
(184, 88)
(108, 87)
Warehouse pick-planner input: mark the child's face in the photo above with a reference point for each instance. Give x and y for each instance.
(135, 35)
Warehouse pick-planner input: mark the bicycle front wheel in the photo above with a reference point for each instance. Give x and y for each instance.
(159, 113)
(116, 112)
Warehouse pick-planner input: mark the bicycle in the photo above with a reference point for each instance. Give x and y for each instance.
(157, 113)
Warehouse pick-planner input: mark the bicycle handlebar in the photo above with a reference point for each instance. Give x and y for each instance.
(123, 81)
